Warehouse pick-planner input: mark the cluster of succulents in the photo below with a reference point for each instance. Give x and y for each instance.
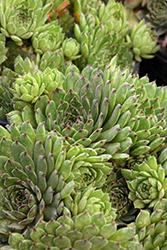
(56, 33)
(85, 144)
(84, 149)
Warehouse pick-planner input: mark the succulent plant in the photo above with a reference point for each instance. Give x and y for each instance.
(156, 15)
(20, 18)
(85, 231)
(31, 67)
(146, 182)
(151, 226)
(39, 174)
(47, 37)
(71, 48)
(28, 88)
(92, 200)
(6, 81)
(114, 18)
(144, 41)
(116, 186)
(85, 147)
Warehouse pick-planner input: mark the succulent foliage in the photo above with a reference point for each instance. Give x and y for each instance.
(85, 146)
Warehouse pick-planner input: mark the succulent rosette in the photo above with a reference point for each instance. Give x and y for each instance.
(151, 226)
(20, 18)
(116, 186)
(71, 48)
(47, 37)
(108, 110)
(157, 11)
(146, 182)
(144, 41)
(40, 174)
(84, 231)
(28, 88)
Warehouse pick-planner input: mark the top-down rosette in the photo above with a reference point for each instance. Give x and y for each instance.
(40, 173)
(110, 110)
(92, 200)
(101, 33)
(85, 231)
(27, 88)
(157, 15)
(144, 41)
(146, 182)
(71, 48)
(151, 226)
(20, 18)
(47, 37)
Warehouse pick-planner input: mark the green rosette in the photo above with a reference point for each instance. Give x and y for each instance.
(147, 183)
(71, 49)
(157, 11)
(20, 18)
(144, 41)
(47, 37)
(41, 175)
(27, 88)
